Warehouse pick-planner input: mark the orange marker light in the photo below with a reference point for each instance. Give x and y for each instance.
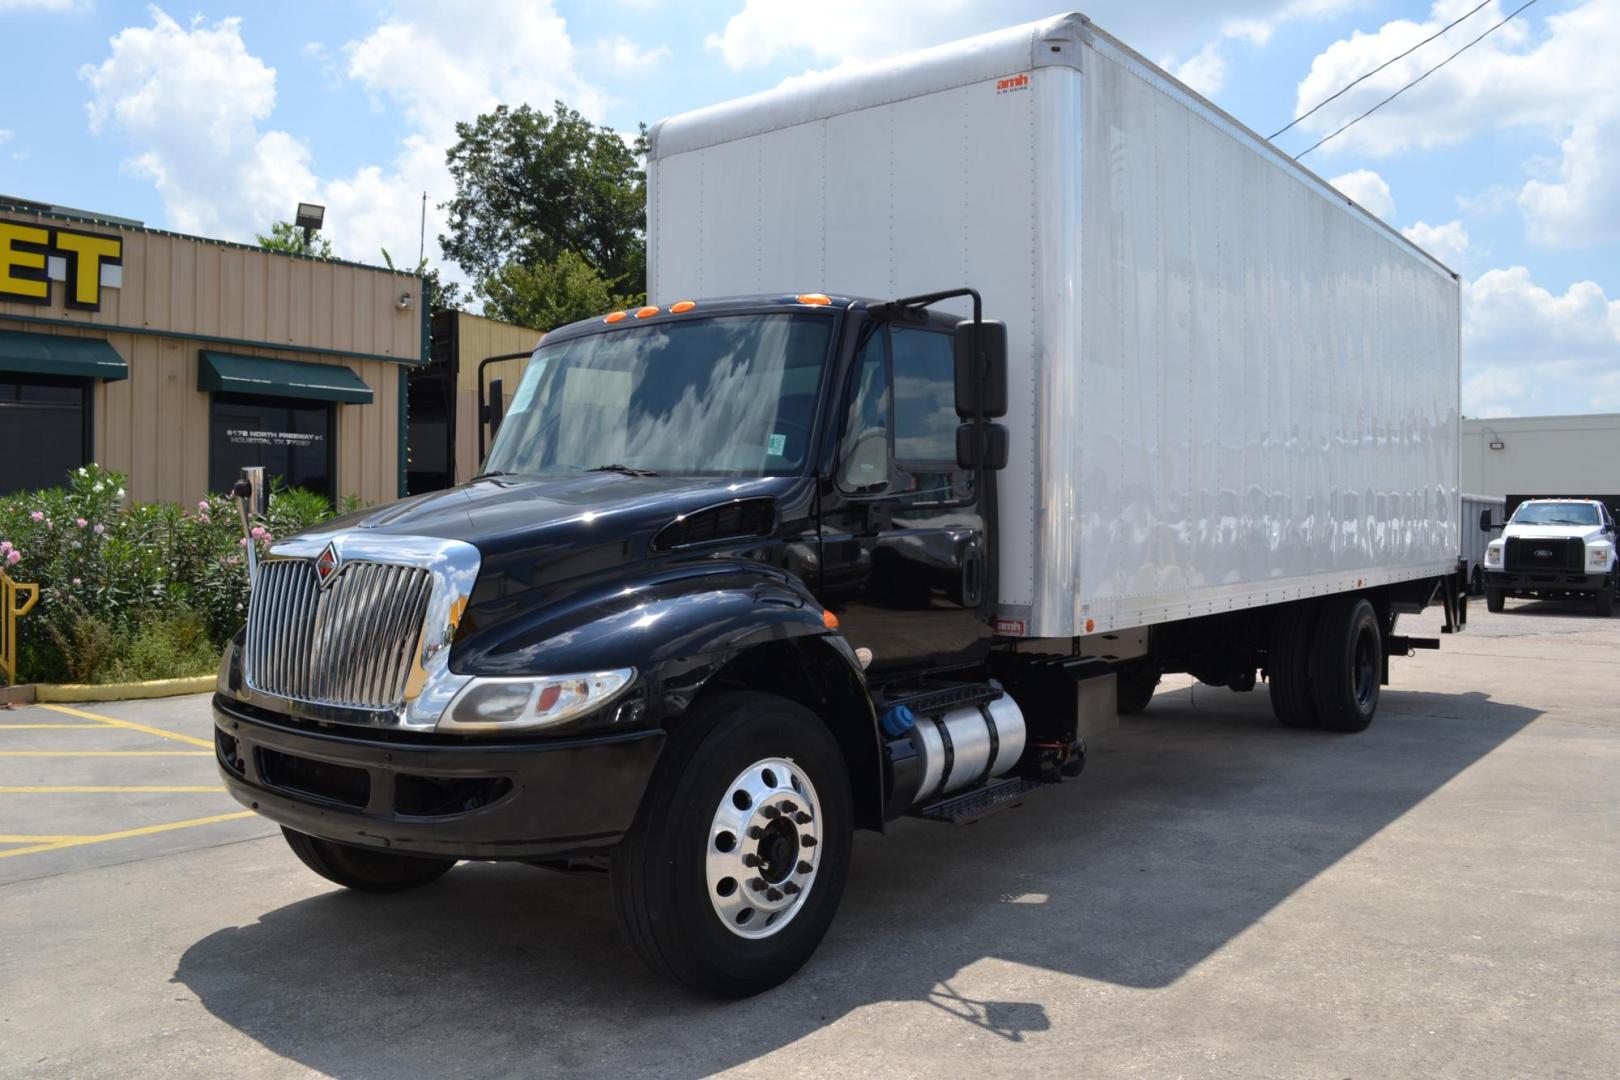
(1091, 624)
(683, 306)
(647, 312)
(829, 620)
(617, 316)
(813, 298)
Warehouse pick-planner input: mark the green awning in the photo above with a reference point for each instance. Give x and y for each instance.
(49, 354)
(220, 372)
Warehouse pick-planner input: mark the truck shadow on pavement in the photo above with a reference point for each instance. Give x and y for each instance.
(1191, 823)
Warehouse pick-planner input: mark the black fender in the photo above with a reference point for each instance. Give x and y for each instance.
(688, 629)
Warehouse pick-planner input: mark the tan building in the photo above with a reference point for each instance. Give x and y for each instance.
(445, 417)
(178, 360)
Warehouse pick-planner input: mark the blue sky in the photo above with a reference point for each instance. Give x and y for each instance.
(217, 117)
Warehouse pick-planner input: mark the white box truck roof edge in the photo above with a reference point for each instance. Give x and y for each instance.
(1227, 389)
(800, 100)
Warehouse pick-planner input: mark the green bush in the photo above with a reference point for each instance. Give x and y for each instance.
(133, 591)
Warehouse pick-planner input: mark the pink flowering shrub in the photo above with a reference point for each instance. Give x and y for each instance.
(132, 590)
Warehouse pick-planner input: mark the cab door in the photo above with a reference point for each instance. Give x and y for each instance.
(903, 539)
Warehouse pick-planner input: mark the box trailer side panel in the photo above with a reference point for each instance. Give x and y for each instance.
(1268, 388)
(1228, 385)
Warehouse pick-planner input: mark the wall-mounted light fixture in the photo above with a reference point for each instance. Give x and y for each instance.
(1496, 442)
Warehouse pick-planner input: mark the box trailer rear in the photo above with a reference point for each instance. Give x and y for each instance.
(1230, 385)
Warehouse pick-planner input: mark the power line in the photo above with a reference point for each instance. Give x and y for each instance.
(1348, 86)
(1415, 81)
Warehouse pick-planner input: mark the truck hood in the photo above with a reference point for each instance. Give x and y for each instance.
(1588, 533)
(557, 535)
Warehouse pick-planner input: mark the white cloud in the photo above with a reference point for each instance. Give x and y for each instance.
(624, 57)
(1582, 206)
(1205, 70)
(839, 30)
(1369, 189)
(191, 99)
(1527, 349)
(5, 136)
(194, 102)
(1541, 81)
(1448, 242)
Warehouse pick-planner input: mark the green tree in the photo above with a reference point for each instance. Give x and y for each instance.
(531, 186)
(289, 239)
(549, 293)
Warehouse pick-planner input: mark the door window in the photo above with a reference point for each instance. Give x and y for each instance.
(900, 433)
(292, 440)
(44, 431)
(863, 458)
(925, 420)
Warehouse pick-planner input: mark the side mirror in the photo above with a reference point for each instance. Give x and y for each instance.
(495, 411)
(981, 388)
(1485, 520)
(981, 441)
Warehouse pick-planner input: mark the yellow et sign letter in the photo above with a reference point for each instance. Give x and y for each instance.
(31, 257)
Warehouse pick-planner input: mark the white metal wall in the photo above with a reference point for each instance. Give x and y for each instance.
(1546, 455)
(1268, 380)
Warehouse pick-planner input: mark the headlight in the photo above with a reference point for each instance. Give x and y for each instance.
(1493, 554)
(496, 705)
(1597, 556)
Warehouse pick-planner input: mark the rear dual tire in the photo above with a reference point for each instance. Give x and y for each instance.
(1325, 664)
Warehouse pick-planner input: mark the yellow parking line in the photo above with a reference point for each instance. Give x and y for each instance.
(125, 834)
(116, 789)
(130, 725)
(53, 727)
(15, 839)
(105, 753)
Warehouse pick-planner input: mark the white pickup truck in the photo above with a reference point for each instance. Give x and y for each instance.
(1553, 549)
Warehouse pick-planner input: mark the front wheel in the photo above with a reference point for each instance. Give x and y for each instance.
(1605, 600)
(365, 869)
(1495, 599)
(736, 862)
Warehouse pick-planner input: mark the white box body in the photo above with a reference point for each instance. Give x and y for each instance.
(1230, 385)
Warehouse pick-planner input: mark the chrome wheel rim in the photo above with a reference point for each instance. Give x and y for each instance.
(763, 848)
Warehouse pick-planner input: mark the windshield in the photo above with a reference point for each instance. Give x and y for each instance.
(1555, 513)
(726, 396)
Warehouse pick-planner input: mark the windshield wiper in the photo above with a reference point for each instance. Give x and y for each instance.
(627, 470)
(493, 472)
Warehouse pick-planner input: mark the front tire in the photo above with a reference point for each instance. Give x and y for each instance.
(733, 870)
(1495, 600)
(1604, 605)
(1347, 659)
(365, 869)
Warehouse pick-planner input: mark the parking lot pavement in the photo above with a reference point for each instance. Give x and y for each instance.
(89, 786)
(1215, 896)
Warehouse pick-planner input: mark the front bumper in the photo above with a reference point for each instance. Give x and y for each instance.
(1545, 581)
(466, 799)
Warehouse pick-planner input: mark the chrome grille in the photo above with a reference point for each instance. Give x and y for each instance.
(352, 643)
